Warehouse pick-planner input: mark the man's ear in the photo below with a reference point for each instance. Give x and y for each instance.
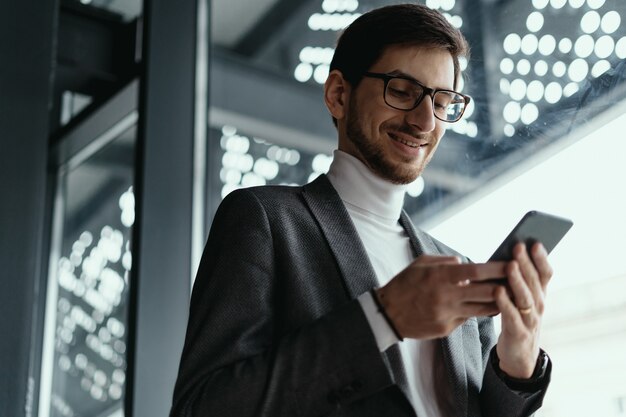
(336, 91)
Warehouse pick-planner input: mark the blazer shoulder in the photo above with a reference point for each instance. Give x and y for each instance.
(276, 198)
(265, 195)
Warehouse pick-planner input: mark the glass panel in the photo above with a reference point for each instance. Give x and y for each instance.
(90, 287)
(245, 160)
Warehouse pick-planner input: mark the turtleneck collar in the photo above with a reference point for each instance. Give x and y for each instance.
(362, 188)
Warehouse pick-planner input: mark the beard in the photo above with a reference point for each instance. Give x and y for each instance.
(373, 154)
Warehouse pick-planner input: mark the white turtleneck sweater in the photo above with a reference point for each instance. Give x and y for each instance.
(374, 205)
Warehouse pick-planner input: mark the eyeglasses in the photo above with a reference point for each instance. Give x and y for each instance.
(403, 93)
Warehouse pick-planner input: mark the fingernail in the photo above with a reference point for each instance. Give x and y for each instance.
(542, 250)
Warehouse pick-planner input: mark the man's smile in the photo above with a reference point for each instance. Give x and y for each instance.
(408, 140)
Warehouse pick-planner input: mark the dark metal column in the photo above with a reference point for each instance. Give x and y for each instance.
(26, 34)
(162, 236)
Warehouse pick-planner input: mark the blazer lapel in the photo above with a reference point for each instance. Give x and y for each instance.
(451, 347)
(346, 245)
(420, 241)
(343, 239)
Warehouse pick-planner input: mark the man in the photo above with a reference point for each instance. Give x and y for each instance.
(324, 300)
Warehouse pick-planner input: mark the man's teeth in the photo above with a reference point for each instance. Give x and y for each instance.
(411, 144)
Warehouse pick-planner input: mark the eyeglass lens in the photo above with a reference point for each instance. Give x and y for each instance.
(404, 95)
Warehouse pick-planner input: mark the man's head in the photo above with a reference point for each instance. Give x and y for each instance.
(365, 40)
(408, 40)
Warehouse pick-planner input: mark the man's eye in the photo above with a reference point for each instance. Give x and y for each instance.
(441, 104)
(400, 93)
(442, 100)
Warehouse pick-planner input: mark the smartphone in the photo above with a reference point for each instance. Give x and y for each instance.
(534, 227)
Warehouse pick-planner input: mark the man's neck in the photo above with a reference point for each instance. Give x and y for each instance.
(359, 186)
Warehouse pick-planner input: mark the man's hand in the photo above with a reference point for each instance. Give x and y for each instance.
(436, 294)
(522, 310)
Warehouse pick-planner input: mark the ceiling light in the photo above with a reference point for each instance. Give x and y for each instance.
(447, 4)
(523, 67)
(509, 130)
(600, 68)
(266, 168)
(535, 91)
(457, 21)
(330, 6)
(570, 89)
(472, 129)
(512, 43)
(540, 4)
(590, 22)
(433, 4)
(506, 66)
(553, 92)
(505, 87)
(604, 47)
(534, 22)
(595, 4)
(303, 72)
(529, 44)
(320, 74)
(228, 130)
(511, 112)
(565, 45)
(321, 163)
(558, 69)
(252, 180)
(314, 21)
(351, 5)
(547, 44)
(541, 67)
(230, 176)
(518, 89)
(557, 4)
(578, 70)
(584, 46)
(576, 4)
(610, 22)
(530, 112)
(620, 48)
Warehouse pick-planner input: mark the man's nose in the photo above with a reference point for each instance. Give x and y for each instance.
(422, 117)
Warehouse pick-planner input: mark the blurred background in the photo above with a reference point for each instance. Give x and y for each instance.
(124, 123)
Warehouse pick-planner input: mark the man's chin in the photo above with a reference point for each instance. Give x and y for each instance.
(399, 177)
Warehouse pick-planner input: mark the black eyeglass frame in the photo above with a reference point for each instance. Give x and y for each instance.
(426, 92)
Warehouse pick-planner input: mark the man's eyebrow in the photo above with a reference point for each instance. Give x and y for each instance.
(402, 74)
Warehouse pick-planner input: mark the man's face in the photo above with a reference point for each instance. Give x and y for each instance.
(396, 144)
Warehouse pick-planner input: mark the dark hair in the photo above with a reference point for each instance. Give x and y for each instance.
(365, 40)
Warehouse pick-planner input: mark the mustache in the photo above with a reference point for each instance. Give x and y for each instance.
(407, 130)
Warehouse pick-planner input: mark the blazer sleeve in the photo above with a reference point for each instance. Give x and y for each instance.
(237, 362)
(496, 398)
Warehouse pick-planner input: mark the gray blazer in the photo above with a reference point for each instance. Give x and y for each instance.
(275, 328)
